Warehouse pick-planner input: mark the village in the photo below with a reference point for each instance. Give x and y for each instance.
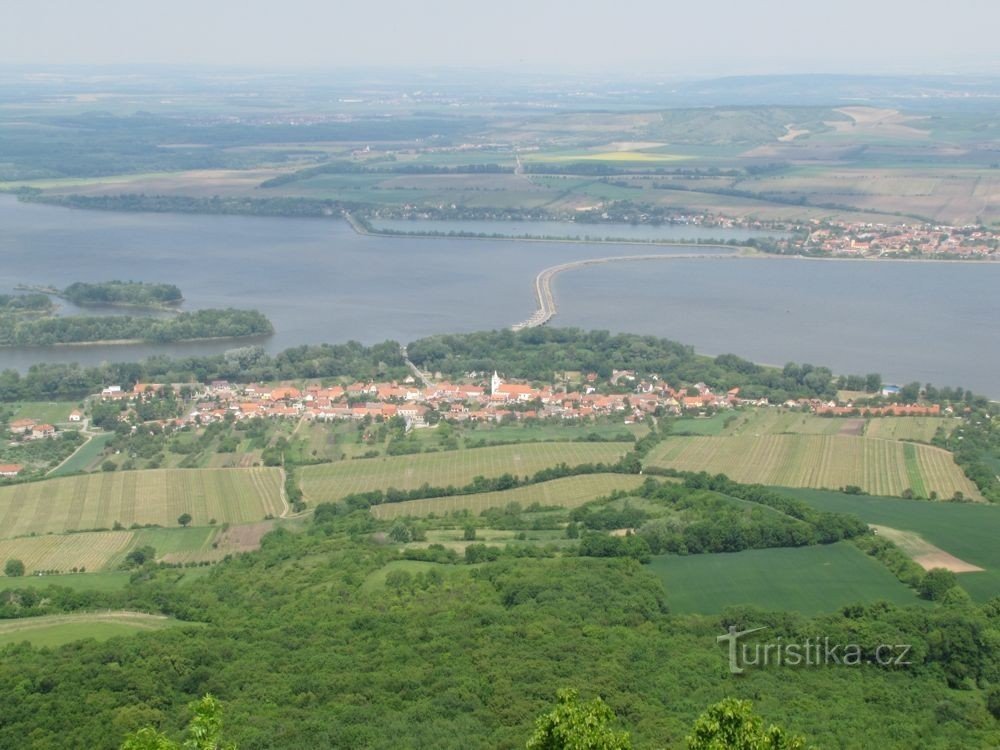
(898, 241)
(624, 395)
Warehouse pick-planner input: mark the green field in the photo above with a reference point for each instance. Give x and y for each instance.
(456, 468)
(804, 579)
(97, 501)
(86, 457)
(50, 412)
(55, 630)
(819, 461)
(969, 531)
(108, 581)
(568, 492)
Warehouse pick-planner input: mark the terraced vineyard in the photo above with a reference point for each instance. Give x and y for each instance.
(456, 468)
(97, 501)
(63, 552)
(881, 467)
(781, 421)
(568, 492)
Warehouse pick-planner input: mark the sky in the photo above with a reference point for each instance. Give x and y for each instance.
(666, 37)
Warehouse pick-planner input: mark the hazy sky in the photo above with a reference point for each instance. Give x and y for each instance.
(664, 36)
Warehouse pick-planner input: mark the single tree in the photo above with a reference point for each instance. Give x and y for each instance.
(184, 519)
(13, 568)
(573, 725)
(732, 725)
(936, 583)
(469, 533)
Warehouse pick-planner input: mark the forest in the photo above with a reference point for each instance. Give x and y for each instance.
(302, 650)
(126, 293)
(187, 326)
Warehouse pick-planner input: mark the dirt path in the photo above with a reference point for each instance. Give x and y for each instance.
(924, 554)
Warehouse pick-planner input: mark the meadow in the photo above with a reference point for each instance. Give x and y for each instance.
(327, 482)
(809, 580)
(55, 630)
(820, 461)
(969, 531)
(568, 492)
(51, 412)
(114, 580)
(160, 496)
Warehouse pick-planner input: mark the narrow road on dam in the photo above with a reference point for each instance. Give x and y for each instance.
(546, 300)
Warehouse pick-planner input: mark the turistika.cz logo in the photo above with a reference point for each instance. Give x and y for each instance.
(812, 652)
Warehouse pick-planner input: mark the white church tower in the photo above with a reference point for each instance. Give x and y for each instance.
(495, 383)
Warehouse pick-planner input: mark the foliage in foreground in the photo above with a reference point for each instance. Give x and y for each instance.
(204, 732)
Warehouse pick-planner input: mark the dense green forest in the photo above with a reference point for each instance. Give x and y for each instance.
(76, 329)
(25, 304)
(240, 365)
(303, 651)
(130, 293)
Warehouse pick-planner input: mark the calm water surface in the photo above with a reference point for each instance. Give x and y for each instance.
(318, 280)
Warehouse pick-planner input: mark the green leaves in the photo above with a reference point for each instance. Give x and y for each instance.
(573, 725)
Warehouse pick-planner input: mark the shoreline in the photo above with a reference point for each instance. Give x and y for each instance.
(360, 229)
(135, 342)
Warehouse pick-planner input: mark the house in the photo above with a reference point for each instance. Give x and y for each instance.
(75, 416)
(9, 471)
(42, 431)
(21, 426)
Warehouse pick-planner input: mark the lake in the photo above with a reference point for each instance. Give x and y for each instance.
(318, 280)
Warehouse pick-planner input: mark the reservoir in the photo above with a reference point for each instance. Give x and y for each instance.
(318, 280)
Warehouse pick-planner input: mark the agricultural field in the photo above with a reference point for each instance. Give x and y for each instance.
(968, 531)
(878, 466)
(97, 501)
(55, 630)
(552, 431)
(611, 157)
(455, 468)
(809, 580)
(917, 429)
(92, 551)
(86, 457)
(568, 492)
(783, 421)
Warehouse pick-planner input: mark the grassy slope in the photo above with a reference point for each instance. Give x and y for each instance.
(569, 492)
(55, 630)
